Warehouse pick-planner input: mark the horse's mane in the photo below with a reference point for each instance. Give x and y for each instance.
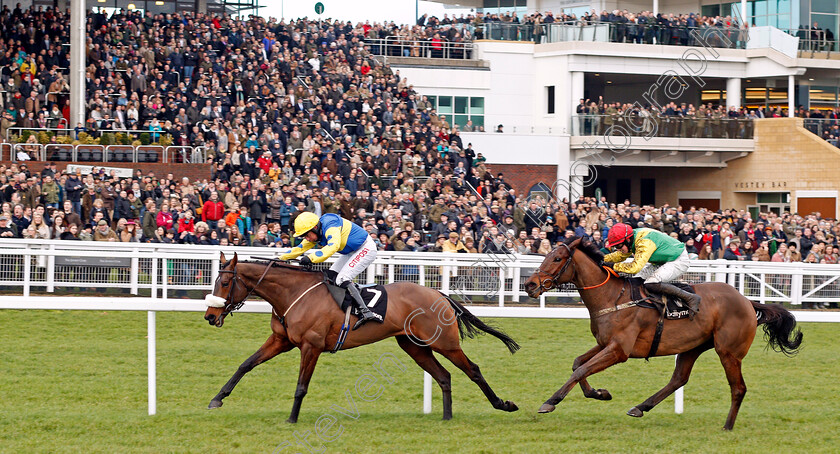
(275, 263)
(589, 248)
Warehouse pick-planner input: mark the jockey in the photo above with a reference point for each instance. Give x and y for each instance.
(336, 234)
(667, 257)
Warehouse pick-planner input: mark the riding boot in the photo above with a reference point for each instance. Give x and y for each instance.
(365, 314)
(692, 300)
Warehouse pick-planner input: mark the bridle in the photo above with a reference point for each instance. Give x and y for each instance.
(551, 282)
(230, 306)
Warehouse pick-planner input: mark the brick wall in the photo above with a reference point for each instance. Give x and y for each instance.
(192, 171)
(523, 177)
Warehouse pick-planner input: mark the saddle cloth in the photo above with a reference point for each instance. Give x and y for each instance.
(675, 309)
(374, 296)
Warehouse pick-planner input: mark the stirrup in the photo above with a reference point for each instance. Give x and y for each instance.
(365, 317)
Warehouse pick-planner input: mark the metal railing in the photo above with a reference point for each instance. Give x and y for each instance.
(35, 151)
(812, 42)
(827, 128)
(64, 265)
(663, 126)
(60, 152)
(102, 153)
(629, 32)
(395, 46)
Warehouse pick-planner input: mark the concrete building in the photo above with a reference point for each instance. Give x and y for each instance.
(532, 89)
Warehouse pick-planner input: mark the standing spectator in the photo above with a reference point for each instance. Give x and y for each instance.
(212, 210)
(73, 189)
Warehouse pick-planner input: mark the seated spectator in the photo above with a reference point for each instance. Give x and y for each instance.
(454, 244)
(104, 232)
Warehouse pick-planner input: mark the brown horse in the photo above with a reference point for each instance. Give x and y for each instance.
(305, 316)
(727, 322)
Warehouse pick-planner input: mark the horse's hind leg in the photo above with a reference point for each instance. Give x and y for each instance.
(685, 362)
(599, 394)
(460, 360)
(732, 367)
(272, 347)
(423, 356)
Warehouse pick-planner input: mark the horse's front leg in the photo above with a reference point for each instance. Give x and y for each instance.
(599, 394)
(611, 354)
(272, 347)
(308, 359)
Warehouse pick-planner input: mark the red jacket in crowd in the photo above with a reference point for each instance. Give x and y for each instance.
(212, 211)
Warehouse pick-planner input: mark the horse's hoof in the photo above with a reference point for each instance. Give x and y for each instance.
(291, 421)
(214, 404)
(602, 394)
(447, 417)
(635, 412)
(546, 408)
(510, 406)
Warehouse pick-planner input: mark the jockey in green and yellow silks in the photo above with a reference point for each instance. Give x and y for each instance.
(657, 258)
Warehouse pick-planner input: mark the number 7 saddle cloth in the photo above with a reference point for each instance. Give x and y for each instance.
(374, 295)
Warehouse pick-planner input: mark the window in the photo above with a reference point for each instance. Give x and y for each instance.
(459, 109)
(550, 99)
(444, 105)
(773, 197)
(461, 105)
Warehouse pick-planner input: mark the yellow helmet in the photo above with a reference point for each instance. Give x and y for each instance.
(305, 222)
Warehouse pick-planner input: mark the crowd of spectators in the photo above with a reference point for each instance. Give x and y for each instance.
(671, 120)
(299, 116)
(438, 215)
(685, 120)
(822, 122)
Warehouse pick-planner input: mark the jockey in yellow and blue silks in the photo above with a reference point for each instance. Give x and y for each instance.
(335, 234)
(657, 258)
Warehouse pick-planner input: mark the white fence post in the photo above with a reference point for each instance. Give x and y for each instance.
(27, 272)
(371, 275)
(134, 273)
(446, 270)
(796, 289)
(51, 269)
(427, 393)
(165, 284)
(678, 397)
(517, 282)
(152, 365)
(501, 284)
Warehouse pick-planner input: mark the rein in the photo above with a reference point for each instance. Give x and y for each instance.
(551, 282)
(231, 307)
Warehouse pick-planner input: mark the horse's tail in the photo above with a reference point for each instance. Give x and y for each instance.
(469, 325)
(780, 329)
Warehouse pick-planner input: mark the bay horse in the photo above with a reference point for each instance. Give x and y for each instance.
(727, 322)
(306, 316)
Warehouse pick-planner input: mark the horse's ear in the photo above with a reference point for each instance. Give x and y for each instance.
(234, 260)
(574, 244)
(222, 257)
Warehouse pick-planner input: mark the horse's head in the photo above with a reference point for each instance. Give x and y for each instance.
(228, 292)
(554, 270)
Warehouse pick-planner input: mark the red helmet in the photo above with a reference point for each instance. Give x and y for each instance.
(619, 233)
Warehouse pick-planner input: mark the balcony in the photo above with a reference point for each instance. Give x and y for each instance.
(660, 141)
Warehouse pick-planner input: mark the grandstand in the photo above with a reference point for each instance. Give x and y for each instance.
(393, 125)
(468, 147)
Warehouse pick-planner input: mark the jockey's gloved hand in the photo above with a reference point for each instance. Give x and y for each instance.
(305, 261)
(607, 264)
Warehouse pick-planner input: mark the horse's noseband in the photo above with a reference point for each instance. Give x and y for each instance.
(551, 282)
(230, 306)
